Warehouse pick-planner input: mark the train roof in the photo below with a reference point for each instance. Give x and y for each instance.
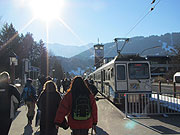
(124, 57)
(130, 57)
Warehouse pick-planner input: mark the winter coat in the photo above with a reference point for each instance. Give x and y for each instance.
(65, 108)
(8, 95)
(93, 88)
(48, 103)
(14, 106)
(29, 93)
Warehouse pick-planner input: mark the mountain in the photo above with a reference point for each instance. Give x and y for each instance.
(67, 50)
(152, 45)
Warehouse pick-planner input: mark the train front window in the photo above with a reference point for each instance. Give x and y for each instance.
(120, 72)
(138, 71)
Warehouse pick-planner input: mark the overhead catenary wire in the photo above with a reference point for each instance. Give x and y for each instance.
(139, 21)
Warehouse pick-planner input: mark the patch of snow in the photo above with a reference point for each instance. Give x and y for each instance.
(79, 71)
(164, 45)
(167, 48)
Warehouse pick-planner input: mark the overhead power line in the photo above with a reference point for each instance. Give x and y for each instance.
(141, 19)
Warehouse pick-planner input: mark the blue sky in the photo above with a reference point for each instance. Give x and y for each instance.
(93, 19)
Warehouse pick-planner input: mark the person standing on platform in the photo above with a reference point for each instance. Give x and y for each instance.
(79, 106)
(64, 84)
(93, 88)
(8, 94)
(48, 103)
(29, 97)
(42, 81)
(58, 83)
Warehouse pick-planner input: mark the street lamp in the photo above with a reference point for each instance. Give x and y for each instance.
(13, 63)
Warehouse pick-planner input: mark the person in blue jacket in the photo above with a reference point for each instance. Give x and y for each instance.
(29, 97)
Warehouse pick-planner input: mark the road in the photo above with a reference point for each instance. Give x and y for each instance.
(110, 122)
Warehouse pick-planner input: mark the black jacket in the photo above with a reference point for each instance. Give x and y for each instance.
(93, 89)
(6, 91)
(48, 103)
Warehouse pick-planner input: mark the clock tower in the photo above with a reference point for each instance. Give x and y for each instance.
(99, 55)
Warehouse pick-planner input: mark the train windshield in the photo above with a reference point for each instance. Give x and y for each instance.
(120, 72)
(138, 71)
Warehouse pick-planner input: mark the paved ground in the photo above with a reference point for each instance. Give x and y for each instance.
(111, 122)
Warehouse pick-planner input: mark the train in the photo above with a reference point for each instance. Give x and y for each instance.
(124, 74)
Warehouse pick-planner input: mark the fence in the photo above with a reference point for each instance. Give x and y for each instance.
(152, 103)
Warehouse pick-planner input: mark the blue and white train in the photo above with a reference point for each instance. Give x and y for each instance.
(124, 74)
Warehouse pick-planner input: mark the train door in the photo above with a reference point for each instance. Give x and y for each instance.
(121, 78)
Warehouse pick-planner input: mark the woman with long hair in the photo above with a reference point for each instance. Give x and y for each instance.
(48, 103)
(79, 106)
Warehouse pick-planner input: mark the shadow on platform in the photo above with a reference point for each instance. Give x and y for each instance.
(164, 130)
(171, 120)
(100, 131)
(28, 130)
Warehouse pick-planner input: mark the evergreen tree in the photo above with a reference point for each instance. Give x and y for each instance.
(58, 73)
(43, 58)
(9, 42)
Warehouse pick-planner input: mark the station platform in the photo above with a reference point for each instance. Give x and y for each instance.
(111, 121)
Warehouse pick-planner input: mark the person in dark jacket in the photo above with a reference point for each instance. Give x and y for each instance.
(77, 89)
(8, 92)
(48, 103)
(65, 85)
(93, 88)
(30, 97)
(42, 81)
(58, 83)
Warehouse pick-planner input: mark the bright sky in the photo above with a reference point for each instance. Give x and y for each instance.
(81, 22)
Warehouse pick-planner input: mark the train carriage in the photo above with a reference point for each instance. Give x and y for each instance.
(124, 74)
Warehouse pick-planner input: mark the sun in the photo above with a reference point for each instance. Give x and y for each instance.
(47, 10)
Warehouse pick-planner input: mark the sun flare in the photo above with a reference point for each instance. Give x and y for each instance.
(47, 10)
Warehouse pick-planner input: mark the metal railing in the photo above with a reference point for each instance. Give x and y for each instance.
(152, 103)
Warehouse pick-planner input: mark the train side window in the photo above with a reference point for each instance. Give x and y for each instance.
(120, 72)
(108, 75)
(104, 73)
(112, 72)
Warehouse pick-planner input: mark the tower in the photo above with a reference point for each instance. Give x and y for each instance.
(99, 55)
